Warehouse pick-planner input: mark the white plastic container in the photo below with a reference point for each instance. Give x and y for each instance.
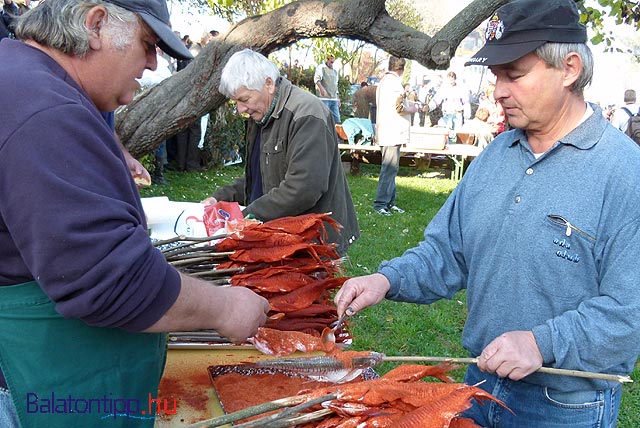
(167, 219)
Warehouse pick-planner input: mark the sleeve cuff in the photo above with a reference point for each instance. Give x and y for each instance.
(394, 279)
(542, 334)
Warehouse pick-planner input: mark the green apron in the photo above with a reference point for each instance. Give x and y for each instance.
(64, 373)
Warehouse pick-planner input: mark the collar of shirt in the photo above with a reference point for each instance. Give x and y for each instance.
(580, 137)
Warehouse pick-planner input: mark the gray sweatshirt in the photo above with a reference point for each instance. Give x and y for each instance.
(547, 245)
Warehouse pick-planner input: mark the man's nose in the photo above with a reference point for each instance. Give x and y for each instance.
(152, 61)
(500, 91)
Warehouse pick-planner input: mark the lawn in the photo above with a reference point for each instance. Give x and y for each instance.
(391, 328)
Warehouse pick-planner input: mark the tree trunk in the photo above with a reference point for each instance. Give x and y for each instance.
(165, 109)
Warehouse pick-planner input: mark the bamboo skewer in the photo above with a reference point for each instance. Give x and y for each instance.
(283, 418)
(299, 402)
(297, 420)
(547, 370)
(219, 272)
(189, 239)
(198, 259)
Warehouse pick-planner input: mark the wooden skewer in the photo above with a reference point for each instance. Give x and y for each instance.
(296, 420)
(219, 272)
(299, 401)
(548, 370)
(200, 259)
(189, 239)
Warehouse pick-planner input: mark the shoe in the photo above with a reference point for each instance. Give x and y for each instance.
(384, 211)
(159, 181)
(396, 209)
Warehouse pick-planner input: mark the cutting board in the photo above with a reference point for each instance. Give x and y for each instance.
(186, 387)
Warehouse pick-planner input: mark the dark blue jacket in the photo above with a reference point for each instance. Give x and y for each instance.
(70, 213)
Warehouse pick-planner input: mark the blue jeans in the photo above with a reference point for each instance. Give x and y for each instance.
(536, 406)
(161, 152)
(453, 121)
(386, 194)
(334, 109)
(8, 414)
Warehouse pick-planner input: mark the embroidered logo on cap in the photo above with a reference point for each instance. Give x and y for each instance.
(495, 28)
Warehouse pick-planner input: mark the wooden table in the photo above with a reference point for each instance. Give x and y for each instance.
(458, 153)
(186, 387)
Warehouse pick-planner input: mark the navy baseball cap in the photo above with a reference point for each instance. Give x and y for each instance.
(156, 15)
(521, 26)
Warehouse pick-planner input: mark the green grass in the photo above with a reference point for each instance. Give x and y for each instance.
(390, 327)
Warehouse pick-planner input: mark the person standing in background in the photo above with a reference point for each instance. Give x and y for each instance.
(10, 10)
(5, 22)
(424, 95)
(496, 118)
(411, 96)
(621, 115)
(15, 8)
(454, 100)
(187, 153)
(326, 80)
(392, 131)
(182, 63)
(151, 78)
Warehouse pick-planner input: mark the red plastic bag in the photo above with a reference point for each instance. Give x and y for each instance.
(222, 215)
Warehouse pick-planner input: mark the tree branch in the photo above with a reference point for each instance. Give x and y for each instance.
(171, 106)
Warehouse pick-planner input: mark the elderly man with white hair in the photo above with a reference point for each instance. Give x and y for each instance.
(293, 164)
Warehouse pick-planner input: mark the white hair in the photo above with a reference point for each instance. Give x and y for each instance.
(249, 69)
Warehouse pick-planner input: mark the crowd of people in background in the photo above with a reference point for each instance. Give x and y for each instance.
(444, 104)
(438, 102)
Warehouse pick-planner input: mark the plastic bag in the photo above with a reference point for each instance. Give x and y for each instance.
(222, 217)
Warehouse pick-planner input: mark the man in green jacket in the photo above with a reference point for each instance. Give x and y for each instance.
(293, 165)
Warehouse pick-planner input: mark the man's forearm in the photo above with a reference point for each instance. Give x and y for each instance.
(195, 299)
(235, 312)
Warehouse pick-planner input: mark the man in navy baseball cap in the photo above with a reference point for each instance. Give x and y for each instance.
(521, 26)
(545, 248)
(156, 15)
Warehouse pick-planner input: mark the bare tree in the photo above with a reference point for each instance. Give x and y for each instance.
(170, 106)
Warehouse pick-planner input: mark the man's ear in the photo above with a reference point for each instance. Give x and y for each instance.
(270, 85)
(94, 22)
(572, 68)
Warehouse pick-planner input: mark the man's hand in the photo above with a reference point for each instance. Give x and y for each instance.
(241, 316)
(361, 292)
(209, 201)
(135, 168)
(514, 355)
(138, 171)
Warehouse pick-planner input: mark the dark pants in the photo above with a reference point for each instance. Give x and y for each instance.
(187, 151)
